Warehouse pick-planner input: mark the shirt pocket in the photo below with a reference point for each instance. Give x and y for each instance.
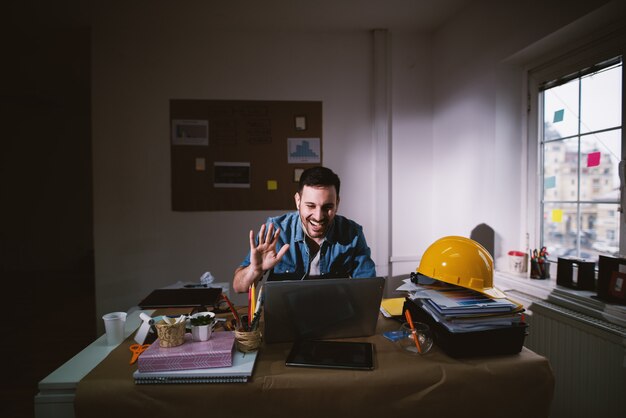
(284, 267)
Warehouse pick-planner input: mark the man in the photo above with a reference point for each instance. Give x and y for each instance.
(314, 241)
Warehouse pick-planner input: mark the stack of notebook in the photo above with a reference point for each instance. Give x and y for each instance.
(212, 361)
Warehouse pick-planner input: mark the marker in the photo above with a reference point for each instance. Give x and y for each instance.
(410, 321)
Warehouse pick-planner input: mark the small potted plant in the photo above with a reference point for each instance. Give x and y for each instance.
(202, 324)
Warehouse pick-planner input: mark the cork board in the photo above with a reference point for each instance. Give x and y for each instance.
(241, 155)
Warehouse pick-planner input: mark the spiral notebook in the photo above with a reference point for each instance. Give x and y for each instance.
(239, 372)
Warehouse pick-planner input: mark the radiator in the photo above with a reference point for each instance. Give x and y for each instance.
(588, 359)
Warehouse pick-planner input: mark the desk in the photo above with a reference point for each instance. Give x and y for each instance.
(57, 390)
(434, 385)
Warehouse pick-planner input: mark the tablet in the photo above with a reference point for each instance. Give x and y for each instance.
(332, 355)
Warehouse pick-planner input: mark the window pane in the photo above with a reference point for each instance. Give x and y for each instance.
(600, 226)
(559, 229)
(560, 178)
(598, 232)
(601, 100)
(560, 114)
(599, 176)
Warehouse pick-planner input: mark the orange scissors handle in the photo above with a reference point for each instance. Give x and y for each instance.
(137, 350)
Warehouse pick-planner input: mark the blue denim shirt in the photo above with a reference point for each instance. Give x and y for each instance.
(343, 253)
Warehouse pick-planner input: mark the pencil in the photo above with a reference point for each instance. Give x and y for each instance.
(233, 310)
(251, 302)
(410, 321)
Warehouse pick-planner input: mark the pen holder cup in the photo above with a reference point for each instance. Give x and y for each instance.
(408, 342)
(540, 271)
(170, 335)
(247, 341)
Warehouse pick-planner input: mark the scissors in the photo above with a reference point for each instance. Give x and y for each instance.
(137, 350)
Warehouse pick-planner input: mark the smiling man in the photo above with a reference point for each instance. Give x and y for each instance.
(314, 241)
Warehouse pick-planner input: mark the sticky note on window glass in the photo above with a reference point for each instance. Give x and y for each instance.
(272, 185)
(557, 215)
(593, 159)
(549, 182)
(558, 115)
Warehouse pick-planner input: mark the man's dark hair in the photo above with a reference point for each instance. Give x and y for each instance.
(319, 176)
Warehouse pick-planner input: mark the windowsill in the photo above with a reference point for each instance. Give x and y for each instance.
(580, 301)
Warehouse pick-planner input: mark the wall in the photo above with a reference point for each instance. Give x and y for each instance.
(412, 149)
(478, 126)
(457, 134)
(46, 242)
(139, 63)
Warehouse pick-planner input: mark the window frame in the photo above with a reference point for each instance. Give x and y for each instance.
(578, 201)
(571, 63)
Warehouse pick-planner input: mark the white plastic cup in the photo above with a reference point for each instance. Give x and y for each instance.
(114, 326)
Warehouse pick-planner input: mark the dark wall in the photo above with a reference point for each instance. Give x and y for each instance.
(46, 211)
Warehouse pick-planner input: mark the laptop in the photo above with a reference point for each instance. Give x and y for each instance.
(183, 297)
(321, 309)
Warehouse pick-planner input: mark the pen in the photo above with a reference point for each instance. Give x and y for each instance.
(259, 301)
(257, 311)
(410, 321)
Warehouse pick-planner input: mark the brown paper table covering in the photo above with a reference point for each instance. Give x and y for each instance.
(402, 385)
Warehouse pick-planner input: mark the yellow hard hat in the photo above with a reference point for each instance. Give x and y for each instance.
(462, 262)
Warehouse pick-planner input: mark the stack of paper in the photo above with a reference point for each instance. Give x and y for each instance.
(463, 310)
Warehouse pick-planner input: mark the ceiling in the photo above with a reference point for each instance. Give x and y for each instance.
(414, 15)
(410, 15)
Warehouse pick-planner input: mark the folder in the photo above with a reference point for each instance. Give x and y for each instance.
(392, 306)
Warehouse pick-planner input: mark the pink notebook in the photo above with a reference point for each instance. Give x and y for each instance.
(216, 352)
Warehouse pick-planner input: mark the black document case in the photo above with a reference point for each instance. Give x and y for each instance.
(496, 341)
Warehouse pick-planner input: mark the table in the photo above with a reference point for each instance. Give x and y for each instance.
(401, 385)
(57, 390)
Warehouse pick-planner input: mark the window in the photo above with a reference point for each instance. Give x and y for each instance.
(580, 148)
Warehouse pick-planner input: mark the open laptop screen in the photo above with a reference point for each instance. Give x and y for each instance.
(321, 309)
(279, 277)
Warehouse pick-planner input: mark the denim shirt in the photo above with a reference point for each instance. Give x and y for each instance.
(343, 253)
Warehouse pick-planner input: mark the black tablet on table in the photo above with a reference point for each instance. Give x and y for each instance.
(332, 354)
